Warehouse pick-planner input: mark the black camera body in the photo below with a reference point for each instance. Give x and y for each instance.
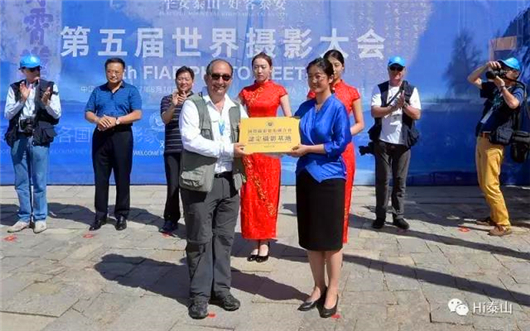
(368, 149)
(27, 126)
(496, 73)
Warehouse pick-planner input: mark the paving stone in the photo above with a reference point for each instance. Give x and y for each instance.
(145, 314)
(45, 299)
(18, 322)
(12, 263)
(369, 297)
(72, 321)
(272, 317)
(494, 323)
(391, 280)
(105, 307)
(17, 282)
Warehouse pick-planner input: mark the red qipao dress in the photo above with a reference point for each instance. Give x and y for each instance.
(347, 94)
(260, 194)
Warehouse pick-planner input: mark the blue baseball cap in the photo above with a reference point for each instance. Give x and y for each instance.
(30, 61)
(512, 63)
(396, 60)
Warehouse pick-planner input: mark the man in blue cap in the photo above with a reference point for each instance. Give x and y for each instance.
(32, 108)
(504, 98)
(395, 107)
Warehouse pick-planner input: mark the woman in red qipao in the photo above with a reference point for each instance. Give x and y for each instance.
(260, 194)
(351, 99)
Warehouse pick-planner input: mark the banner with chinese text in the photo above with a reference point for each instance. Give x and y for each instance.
(442, 41)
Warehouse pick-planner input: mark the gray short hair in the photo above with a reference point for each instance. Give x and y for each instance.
(210, 66)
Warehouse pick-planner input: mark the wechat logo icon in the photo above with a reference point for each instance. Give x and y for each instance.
(458, 306)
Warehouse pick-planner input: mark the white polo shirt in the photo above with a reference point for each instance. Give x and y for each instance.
(392, 123)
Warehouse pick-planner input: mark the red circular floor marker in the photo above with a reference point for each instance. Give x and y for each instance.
(211, 315)
(88, 235)
(336, 316)
(10, 238)
(463, 229)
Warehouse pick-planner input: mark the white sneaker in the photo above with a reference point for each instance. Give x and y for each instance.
(18, 226)
(39, 227)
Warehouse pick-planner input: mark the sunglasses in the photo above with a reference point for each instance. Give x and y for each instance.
(396, 68)
(30, 69)
(225, 77)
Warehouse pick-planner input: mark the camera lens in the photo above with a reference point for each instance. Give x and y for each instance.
(491, 74)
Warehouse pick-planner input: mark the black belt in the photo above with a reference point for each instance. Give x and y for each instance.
(226, 174)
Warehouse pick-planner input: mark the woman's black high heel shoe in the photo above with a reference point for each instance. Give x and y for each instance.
(308, 305)
(252, 257)
(260, 258)
(325, 312)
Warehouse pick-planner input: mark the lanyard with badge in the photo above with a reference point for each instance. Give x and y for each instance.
(496, 103)
(221, 126)
(395, 117)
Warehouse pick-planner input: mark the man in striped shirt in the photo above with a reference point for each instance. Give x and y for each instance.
(170, 107)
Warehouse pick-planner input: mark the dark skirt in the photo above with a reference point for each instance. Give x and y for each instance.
(320, 212)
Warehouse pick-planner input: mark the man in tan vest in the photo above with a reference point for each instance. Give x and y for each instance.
(212, 174)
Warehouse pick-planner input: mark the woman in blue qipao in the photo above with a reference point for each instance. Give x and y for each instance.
(320, 185)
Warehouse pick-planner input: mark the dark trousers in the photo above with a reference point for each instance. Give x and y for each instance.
(396, 158)
(172, 166)
(112, 151)
(210, 224)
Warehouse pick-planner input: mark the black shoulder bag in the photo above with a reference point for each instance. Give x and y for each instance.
(520, 142)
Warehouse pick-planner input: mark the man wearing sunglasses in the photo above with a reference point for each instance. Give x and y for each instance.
(503, 100)
(32, 108)
(395, 107)
(212, 174)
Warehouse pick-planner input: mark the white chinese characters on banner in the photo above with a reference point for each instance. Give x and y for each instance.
(150, 42)
(75, 41)
(190, 39)
(371, 45)
(296, 43)
(260, 40)
(113, 46)
(223, 36)
(334, 42)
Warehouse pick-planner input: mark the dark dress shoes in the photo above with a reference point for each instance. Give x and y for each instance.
(169, 226)
(401, 223)
(325, 312)
(198, 310)
(378, 223)
(121, 223)
(228, 302)
(97, 224)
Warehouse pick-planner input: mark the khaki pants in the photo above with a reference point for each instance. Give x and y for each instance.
(489, 160)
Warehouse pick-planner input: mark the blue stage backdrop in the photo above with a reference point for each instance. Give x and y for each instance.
(442, 41)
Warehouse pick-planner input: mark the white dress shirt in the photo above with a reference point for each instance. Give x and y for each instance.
(392, 124)
(28, 108)
(221, 147)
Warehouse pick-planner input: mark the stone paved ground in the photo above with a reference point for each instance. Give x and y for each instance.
(64, 279)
